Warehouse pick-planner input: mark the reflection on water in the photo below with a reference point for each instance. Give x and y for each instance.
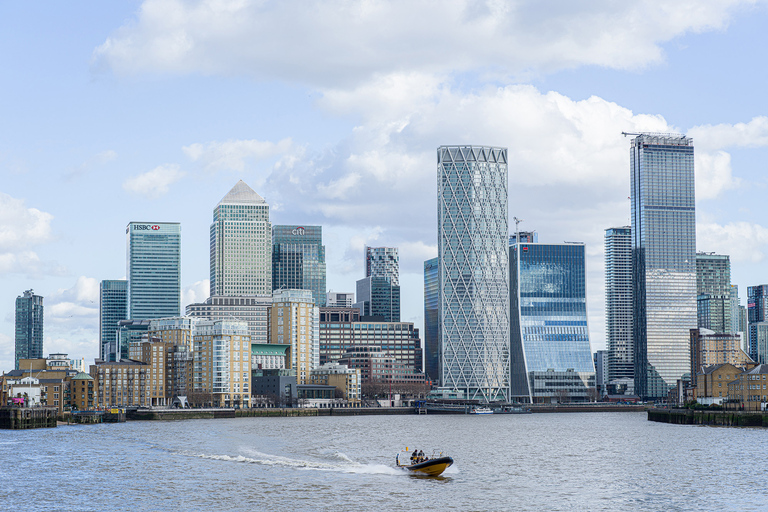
(582, 461)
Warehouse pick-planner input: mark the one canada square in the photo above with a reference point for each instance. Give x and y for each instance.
(473, 271)
(663, 259)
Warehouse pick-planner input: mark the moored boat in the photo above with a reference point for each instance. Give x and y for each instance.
(481, 410)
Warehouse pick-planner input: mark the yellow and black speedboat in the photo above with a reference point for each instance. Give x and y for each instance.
(428, 466)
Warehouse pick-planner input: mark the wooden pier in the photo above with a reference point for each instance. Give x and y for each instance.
(16, 418)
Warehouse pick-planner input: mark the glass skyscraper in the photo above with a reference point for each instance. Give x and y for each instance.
(473, 275)
(757, 314)
(551, 356)
(29, 326)
(378, 296)
(113, 307)
(431, 321)
(383, 262)
(298, 260)
(618, 308)
(663, 260)
(713, 289)
(154, 269)
(241, 244)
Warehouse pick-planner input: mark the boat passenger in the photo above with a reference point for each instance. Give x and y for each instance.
(414, 456)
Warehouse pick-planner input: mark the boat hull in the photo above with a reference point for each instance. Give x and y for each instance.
(432, 467)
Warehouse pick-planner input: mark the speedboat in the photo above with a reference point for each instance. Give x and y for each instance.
(481, 410)
(428, 466)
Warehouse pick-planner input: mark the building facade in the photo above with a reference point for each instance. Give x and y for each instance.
(113, 307)
(339, 300)
(298, 260)
(250, 309)
(618, 309)
(221, 364)
(379, 297)
(710, 348)
(431, 321)
(294, 320)
(663, 260)
(28, 327)
(757, 313)
(383, 262)
(713, 291)
(241, 244)
(550, 350)
(154, 269)
(473, 273)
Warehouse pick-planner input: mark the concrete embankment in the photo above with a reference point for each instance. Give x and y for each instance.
(188, 414)
(709, 417)
(586, 408)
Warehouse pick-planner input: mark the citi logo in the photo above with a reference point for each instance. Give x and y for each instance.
(298, 231)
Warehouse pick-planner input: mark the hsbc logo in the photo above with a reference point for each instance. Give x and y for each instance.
(298, 231)
(145, 227)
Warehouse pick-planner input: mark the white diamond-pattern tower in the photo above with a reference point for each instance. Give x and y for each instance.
(473, 270)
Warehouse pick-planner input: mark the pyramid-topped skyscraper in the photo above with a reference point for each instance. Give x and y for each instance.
(241, 244)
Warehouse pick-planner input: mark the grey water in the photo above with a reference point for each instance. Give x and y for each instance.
(577, 461)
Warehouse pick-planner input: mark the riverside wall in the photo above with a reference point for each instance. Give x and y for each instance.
(709, 417)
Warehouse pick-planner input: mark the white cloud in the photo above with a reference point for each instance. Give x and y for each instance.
(348, 42)
(77, 306)
(154, 183)
(714, 137)
(196, 292)
(21, 230)
(743, 241)
(713, 174)
(234, 154)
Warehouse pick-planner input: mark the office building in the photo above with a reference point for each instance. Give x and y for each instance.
(241, 244)
(378, 366)
(294, 320)
(600, 359)
(339, 300)
(713, 291)
(113, 307)
(431, 321)
(663, 260)
(250, 309)
(757, 313)
(154, 269)
(383, 262)
(221, 364)
(530, 237)
(550, 351)
(618, 310)
(735, 305)
(298, 260)
(29, 327)
(128, 331)
(346, 380)
(473, 273)
(378, 297)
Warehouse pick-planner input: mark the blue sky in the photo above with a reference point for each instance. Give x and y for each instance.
(112, 112)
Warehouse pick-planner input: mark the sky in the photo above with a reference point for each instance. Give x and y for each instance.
(112, 112)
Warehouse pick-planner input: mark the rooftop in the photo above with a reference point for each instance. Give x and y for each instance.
(241, 193)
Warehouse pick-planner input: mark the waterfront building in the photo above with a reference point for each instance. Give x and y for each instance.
(113, 307)
(431, 321)
(378, 366)
(29, 327)
(298, 260)
(712, 382)
(80, 393)
(250, 309)
(757, 312)
(128, 331)
(550, 351)
(663, 260)
(241, 245)
(51, 375)
(221, 364)
(710, 348)
(378, 297)
(268, 356)
(473, 273)
(119, 383)
(749, 391)
(176, 330)
(346, 380)
(618, 310)
(154, 269)
(713, 291)
(294, 320)
(383, 262)
(342, 329)
(339, 300)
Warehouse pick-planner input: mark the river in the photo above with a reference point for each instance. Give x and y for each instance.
(576, 461)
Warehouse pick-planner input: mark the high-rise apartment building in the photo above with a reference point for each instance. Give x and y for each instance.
(757, 313)
(550, 351)
(294, 320)
(663, 259)
(241, 244)
(431, 321)
(735, 304)
(383, 262)
(713, 291)
(222, 363)
(113, 307)
(618, 309)
(473, 251)
(29, 326)
(154, 269)
(298, 260)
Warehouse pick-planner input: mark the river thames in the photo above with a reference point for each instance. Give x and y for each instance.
(576, 461)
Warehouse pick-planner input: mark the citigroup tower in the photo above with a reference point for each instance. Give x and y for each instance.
(473, 275)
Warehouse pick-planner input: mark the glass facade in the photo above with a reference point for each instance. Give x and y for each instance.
(298, 260)
(29, 327)
(473, 271)
(549, 323)
(757, 312)
(113, 307)
(713, 289)
(431, 321)
(663, 260)
(154, 269)
(383, 262)
(378, 296)
(618, 306)
(241, 244)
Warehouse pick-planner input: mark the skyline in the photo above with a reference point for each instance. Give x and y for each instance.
(123, 112)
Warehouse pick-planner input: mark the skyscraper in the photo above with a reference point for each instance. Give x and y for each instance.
(113, 307)
(431, 321)
(757, 314)
(298, 260)
(549, 342)
(473, 275)
(713, 289)
(663, 259)
(383, 262)
(378, 296)
(618, 309)
(154, 269)
(29, 326)
(295, 320)
(241, 244)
